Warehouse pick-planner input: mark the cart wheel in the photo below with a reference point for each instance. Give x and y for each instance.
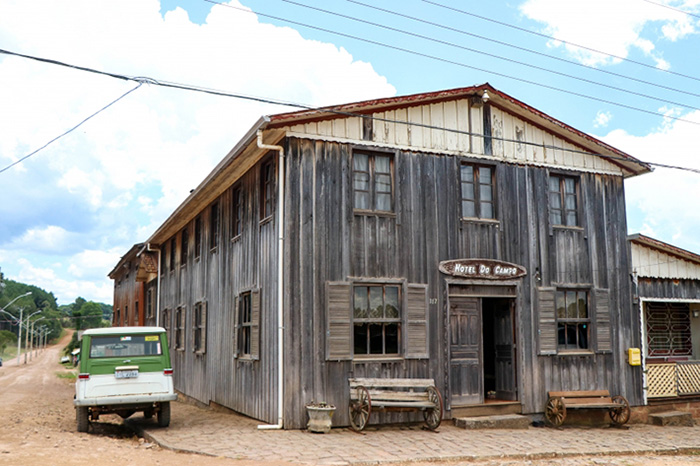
(555, 411)
(360, 409)
(620, 415)
(433, 416)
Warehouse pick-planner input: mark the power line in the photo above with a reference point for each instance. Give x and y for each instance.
(452, 62)
(525, 49)
(481, 52)
(72, 129)
(331, 110)
(672, 8)
(512, 26)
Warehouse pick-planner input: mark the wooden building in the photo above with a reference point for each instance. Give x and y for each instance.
(460, 235)
(667, 293)
(133, 304)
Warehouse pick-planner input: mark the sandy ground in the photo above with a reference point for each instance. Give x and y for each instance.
(37, 428)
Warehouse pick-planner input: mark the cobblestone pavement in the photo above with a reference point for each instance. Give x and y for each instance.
(215, 433)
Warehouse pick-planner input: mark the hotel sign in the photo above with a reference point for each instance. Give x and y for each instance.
(482, 268)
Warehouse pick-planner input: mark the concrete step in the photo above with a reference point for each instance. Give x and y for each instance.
(672, 418)
(505, 421)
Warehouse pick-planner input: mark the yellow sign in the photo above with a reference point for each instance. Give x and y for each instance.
(634, 356)
(151, 337)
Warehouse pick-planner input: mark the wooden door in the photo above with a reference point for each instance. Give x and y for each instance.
(466, 372)
(506, 383)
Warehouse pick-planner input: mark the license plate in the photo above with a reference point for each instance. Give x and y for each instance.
(126, 374)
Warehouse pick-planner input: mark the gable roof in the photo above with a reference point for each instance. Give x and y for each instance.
(654, 258)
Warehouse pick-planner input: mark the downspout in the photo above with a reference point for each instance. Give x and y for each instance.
(280, 287)
(148, 248)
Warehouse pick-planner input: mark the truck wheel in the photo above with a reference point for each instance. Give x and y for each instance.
(148, 413)
(164, 414)
(81, 414)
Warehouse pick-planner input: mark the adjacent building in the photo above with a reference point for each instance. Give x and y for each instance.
(459, 235)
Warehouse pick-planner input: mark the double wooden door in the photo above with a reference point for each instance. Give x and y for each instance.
(481, 350)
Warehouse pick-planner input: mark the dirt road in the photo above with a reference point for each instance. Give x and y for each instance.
(37, 428)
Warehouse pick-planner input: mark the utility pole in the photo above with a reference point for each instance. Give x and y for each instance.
(19, 336)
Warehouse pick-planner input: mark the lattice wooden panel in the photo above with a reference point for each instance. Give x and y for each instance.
(661, 380)
(689, 378)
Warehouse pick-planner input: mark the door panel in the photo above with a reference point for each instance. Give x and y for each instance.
(506, 386)
(466, 373)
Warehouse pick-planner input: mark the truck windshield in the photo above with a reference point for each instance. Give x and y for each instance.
(125, 345)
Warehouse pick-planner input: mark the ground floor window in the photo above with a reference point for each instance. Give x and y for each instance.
(668, 329)
(199, 327)
(180, 328)
(573, 321)
(377, 319)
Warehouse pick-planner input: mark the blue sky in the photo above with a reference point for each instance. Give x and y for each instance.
(71, 210)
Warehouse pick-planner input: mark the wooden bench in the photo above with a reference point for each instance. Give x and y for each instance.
(558, 403)
(368, 394)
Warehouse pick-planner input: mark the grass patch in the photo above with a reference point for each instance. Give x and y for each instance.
(68, 375)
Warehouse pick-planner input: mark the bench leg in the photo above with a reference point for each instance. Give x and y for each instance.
(360, 409)
(555, 411)
(620, 415)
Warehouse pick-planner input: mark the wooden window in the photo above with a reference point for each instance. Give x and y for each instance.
(173, 247)
(199, 328)
(563, 202)
(126, 315)
(184, 245)
(374, 319)
(197, 237)
(248, 325)
(477, 191)
(573, 319)
(237, 213)
(150, 302)
(166, 322)
(373, 182)
(136, 313)
(377, 319)
(163, 261)
(180, 316)
(214, 226)
(117, 318)
(267, 187)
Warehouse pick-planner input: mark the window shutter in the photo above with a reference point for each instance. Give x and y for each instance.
(255, 324)
(547, 331)
(603, 329)
(193, 327)
(235, 325)
(416, 321)
(203, 342)
(339, 334)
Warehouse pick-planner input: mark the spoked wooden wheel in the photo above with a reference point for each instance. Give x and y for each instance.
(620, 415)
(555, 411)
(433, 416)
(360, 409)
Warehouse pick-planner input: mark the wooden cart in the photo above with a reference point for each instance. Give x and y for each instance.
(558, 403)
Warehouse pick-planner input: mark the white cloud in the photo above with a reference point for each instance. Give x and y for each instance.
(109, 183)
(611, 27)
(65, 290)
(602, 119)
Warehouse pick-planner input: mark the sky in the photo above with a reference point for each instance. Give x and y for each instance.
(624, 71)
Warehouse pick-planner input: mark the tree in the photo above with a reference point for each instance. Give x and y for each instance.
(88, 316)
(6, 338)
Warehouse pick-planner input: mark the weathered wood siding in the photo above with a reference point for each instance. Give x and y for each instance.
(128, 295)
(327, 242)
(659, 289)
(218, 276)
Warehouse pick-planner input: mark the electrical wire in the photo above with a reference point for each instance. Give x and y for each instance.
(499, 57)
(71, 129)
(512, 26)
(524, 49)
(452, 62)
(331, 110)
(672, 8)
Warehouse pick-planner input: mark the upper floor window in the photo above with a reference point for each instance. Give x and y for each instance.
(150, 302)
(573, 321)
(267, 185)
(136, 313)
(197, 237)
(237, 213)
(173, 248)
(214, 226)
(373, 182)
(376, 319)
(563, 203)
(477, 191)
(184, 243)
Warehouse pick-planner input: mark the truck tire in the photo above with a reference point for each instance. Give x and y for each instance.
(82, 417)
(164, 414)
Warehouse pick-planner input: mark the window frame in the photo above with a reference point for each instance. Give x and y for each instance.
(244, 327)
(180, 328)
(573, 321)
(173, 252)
(214, 225)
(372, 194)
(267, 189)
(236, 212)
(199, 327)
(197, 237)
(149, 302)
(166, 323)
(562, 195)
(476, 191)
(383, 321)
